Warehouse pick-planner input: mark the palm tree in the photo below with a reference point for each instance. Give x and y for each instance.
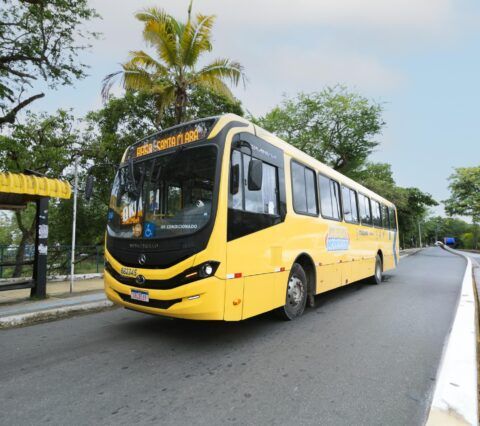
(170, 76)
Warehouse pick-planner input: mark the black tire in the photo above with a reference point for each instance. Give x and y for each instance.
(377, 276)
(296, 295)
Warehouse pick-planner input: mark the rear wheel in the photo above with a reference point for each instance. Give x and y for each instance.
(378, 274)
(296, 297)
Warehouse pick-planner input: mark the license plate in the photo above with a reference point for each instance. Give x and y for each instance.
(142, 296)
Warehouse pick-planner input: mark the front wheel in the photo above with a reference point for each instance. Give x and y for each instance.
(296, 297)
(378, 274)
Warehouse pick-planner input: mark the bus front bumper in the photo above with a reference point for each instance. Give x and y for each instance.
(200, 300)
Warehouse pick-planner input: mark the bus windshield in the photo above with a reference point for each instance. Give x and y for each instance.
(164, 196)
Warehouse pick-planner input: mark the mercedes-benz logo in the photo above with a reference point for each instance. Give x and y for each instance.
(140, 279)
(142, 259)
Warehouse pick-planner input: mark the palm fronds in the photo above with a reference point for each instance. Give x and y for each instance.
(179, 47)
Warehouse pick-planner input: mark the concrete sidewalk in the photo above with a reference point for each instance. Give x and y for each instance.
(54, 289)
(17, 309)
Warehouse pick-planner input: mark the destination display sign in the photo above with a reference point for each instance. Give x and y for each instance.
(171, 139)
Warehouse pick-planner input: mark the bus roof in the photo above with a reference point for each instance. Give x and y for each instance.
(220, 121)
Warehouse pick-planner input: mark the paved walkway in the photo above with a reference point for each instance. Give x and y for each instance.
(60, 290)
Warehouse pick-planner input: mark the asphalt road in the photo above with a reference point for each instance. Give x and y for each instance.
(365, 355)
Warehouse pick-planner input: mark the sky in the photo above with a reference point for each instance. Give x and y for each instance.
(419, 58)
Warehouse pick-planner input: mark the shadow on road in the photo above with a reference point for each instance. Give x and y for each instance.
(207, 333)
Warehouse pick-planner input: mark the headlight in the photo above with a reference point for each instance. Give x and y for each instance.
(206, 270)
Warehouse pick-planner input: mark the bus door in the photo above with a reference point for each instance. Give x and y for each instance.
(254, 213)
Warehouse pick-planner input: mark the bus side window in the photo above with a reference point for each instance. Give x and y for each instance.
(347, 204)
(365, 210)
(377, 216)
(329, 198)
(391, 214)
(385, 217)
(350, 208)
(304, 190)
(335, 190)
(265, 200)
(354, 204)
(235, 200)
(269, 189)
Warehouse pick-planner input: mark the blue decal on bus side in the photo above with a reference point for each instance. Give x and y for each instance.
(335, 244)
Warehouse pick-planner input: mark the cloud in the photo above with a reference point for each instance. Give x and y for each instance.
(287, 46)
(371, 14)
(286, 70)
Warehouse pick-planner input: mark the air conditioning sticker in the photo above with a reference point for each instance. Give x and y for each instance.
(337, 239)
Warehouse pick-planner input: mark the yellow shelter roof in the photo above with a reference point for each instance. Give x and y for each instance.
(16, 189)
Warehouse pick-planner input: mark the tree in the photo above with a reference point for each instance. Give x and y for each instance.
(7, 229)
(412, 207)
(465, 195)
(44, 143)
(172, 76)
(335, 126)
(412, 204)
(437, 227)
(123, 121)
(39, 39)
(378, 177)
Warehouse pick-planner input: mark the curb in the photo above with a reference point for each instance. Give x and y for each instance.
(29, 318)
(455, 400)
(409, 253)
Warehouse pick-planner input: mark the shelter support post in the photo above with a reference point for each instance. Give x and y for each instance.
(41, 249)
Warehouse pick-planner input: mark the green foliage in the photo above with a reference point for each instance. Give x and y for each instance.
(123, 121)
(465, 193)
(437, 228)
(206, 103)
(378, 177)
(91, 222)
(412, 204)
(171, 76)
(339, 128)
(465, 197)
(44, 143)
(7, 229)
(39, 39)
(466, 240)
(335, 126)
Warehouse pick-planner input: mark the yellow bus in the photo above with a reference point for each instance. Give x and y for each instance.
(218, 219)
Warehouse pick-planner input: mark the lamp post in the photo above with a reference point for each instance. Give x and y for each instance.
(419, 234)
(74, 222)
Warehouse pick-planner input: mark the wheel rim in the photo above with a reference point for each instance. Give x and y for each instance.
(295, 292)
(378, 272)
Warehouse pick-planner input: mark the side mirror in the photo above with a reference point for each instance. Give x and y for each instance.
(255, 175)
(234, 179)
(89, 187)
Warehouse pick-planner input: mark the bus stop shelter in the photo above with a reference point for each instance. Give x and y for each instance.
(16, 191)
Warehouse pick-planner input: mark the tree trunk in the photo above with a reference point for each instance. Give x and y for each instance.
(27, 234)
(180, 105)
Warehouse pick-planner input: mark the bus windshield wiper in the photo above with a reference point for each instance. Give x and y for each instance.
(139, 190)
(131, 185)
